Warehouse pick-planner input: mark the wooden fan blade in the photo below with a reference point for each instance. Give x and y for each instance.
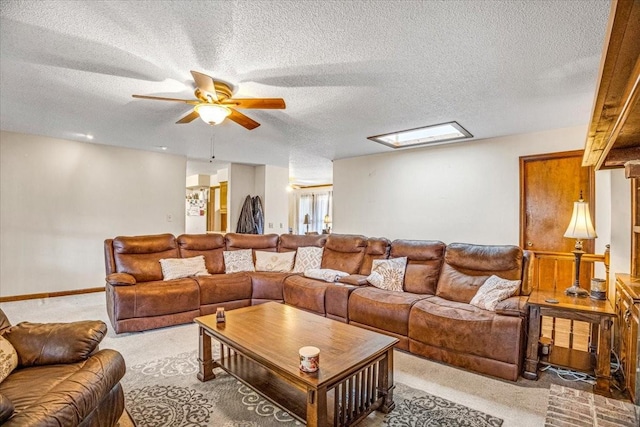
(188, 118)
(159, 98)
(242, 120)
(261, 103)
(205, 84)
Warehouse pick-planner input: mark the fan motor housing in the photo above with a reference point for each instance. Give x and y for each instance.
(223, 91)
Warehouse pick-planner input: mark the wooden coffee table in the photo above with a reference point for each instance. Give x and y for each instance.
(259, 346)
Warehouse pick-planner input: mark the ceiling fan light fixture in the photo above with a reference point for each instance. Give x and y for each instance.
(212, 114)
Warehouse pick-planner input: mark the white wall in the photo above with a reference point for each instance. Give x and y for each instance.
(268, 182)
(59, 201)
(276, 200)
(241, 185)
(465, 192)
(620, 225)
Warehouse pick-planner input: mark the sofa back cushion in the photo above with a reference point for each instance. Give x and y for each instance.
(466, 267)
(424, 262)
(344, 252)
(377, 248)
(210, 246)
(291, 242)
(140, 255)
(262, 242)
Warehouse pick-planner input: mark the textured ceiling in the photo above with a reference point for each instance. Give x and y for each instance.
(347, 70)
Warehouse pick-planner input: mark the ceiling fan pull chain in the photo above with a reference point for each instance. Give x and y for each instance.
(213, 156)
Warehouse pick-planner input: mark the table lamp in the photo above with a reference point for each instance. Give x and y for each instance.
(306, 221)
(327, 221)
(580, 227)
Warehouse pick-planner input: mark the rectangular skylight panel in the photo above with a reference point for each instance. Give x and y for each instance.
(440, 133)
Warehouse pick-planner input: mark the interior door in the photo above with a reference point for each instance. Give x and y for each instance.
(549, 184)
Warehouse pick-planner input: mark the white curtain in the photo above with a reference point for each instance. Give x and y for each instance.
(317, 205)
(305, 207)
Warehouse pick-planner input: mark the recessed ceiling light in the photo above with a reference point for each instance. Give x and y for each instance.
(429, 135)
(89, 136)
(161, 147)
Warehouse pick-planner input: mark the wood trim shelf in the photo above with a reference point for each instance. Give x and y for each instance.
(614, 130)
(569, 358)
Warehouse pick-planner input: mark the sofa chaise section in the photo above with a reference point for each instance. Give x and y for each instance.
(449, 329)
(137, 296)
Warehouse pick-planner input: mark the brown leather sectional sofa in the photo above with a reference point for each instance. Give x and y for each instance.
(432, 318)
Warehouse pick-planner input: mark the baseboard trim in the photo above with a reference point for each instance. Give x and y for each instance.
(51, 294)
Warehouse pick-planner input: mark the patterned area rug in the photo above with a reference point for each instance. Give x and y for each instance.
(166, 393)
(576, 408)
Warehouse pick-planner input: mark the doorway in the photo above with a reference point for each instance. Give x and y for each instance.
(549, 184)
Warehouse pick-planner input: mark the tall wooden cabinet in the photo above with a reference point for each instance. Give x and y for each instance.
(627, 340)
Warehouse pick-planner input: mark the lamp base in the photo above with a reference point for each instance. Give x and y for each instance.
(576, 291)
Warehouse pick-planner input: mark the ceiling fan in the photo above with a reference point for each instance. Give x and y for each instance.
(215, 103)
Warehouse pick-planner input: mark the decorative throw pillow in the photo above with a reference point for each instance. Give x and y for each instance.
(308, 257)
(178, 268)
(494, 290)
(274, 261)
(388, 273)
(237, 261)
(8, 358)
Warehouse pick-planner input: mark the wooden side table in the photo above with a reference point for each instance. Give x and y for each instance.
(597, 360)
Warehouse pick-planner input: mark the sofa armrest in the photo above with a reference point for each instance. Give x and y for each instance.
(354, 279)
(513, 306)
(55, 343)
(121, 279)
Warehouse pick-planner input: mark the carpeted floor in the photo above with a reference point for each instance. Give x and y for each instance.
(519, 404)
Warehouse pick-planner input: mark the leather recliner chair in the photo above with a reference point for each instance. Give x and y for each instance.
(62, 378)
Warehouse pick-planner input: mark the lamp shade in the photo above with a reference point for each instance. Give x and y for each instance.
(327, 220)
(306, 219)
(212, 114)
(580, 226)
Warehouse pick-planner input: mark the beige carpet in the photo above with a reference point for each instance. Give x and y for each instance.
(519, 404)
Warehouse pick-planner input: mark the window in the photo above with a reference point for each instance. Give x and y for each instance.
(428, 135)
(317, 205)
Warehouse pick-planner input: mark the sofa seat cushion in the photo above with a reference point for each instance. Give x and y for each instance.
(463, 328)
(63, 394)
(305, 293)
(385, 310)
(267, 285)
(156, 298)
(219, 288)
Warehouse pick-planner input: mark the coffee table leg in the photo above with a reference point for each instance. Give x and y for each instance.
(385, 382)
(317, 407)
(205, 357)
